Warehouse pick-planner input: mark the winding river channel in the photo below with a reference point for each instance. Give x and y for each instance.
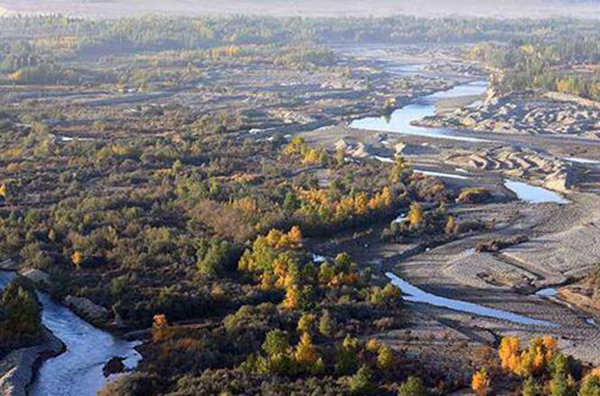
(400, 122)
(78, 371)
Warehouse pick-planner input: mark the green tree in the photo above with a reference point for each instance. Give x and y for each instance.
(413, 386)
(327, 324)
(385, 357)
(529, 387)
(361, 383)
(20, 316)
(400, 171)
(276, 343)
(590, 386)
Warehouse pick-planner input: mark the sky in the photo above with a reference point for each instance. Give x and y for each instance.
(131, 8)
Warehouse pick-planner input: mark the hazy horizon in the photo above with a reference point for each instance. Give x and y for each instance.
(308, 8)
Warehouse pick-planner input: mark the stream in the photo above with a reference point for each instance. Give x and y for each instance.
(400, 122)
(401, 119)
(414, 294)
(78, 371)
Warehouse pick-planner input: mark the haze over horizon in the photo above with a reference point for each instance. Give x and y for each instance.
(309, 8)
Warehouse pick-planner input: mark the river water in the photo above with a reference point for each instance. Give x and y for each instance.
(78, 371)
(401, 119)
(414, 294)
(400, 122)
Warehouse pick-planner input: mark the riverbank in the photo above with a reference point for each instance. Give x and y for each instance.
(18, 369)
(70, 347)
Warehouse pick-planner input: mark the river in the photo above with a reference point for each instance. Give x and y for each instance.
(401, 119)
(78, 371)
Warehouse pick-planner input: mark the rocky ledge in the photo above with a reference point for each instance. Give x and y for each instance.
(18, 367)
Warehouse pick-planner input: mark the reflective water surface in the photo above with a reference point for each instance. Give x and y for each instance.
(78, 371)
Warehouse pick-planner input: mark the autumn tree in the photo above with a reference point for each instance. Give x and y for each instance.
(293, 298)
(416, 216)
(529, 362)
(306, 323)
(306, 353)
(77, 259)
(385, 357)
(480, 383)
(161, 330)
(451, 227)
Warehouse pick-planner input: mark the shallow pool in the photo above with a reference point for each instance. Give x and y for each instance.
(533, 194)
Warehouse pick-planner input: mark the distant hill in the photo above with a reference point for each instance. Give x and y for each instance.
(491, 8)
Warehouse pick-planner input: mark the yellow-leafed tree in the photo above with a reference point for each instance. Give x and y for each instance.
(481, 383)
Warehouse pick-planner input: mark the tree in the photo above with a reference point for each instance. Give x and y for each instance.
(510, 353)
(361, 383)
(326, 324)
(416, 217)
(385, 357)
(562, 385)
(413, 386)
(400, 170)
(215, 259)
(450, 226)
(306, 352)
(293, 298)
(20, 317)
(373, 345)
(276, 343)
(77, 259)
(529, 387)
(160, 328)
(306, 323)
(590, 386)
(480, 383)
(295, 236)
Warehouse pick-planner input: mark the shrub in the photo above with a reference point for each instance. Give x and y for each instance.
(413, 386)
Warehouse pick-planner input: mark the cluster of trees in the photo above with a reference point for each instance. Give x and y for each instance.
(547, 65)
(320, 207)
(420, 224)
(47, 39)
(298, 148)
(538, 369)
(165, 32)
(303, 335)
(20, 317)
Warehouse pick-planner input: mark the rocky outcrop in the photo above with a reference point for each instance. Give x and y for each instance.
(18, 367)
(36, 276)
(114, 366)
(87, 309)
